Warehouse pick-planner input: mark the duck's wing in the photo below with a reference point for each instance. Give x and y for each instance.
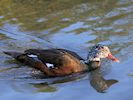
(51, 56)
(72, 53)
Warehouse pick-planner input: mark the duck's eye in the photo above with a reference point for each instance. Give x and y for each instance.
(100, 48)
(97, 46)
(95, 56)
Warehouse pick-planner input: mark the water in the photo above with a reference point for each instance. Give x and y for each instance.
(74, 25)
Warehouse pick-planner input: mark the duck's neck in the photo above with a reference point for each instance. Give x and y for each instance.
(92, 65)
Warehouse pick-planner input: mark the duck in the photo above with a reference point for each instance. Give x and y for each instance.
(61, 62)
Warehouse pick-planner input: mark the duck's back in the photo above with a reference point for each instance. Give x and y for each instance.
(57, 57)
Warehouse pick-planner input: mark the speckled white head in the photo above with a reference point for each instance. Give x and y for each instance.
(100, 51)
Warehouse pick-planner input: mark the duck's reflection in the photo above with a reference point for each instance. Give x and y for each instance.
(48, 85)
(98, 82)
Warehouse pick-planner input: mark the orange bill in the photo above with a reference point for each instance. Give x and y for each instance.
(113, 58)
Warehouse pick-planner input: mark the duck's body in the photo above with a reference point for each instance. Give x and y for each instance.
(59, 62)
(53, 62)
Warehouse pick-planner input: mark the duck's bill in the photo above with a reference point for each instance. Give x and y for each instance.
(113, 58)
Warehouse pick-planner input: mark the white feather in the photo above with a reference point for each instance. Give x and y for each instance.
(82, 61)
(50, 65)
(33, 56)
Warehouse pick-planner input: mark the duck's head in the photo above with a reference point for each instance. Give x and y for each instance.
(100, 51)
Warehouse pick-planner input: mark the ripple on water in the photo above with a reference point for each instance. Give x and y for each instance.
(75, 25)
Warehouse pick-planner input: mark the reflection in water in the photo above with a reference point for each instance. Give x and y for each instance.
(43, 19)
(44, 14)
(98, 82)
(45, 84)
(48, 87)
(44, 87)
(73, 25)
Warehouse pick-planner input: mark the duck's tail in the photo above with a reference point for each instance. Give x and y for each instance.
(34, 62)
(13, 53)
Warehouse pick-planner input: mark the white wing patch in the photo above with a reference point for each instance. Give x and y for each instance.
(47, 64)
(50, 65)
(33, 56)
(82, 61)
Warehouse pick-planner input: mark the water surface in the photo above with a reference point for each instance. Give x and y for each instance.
(74, 25)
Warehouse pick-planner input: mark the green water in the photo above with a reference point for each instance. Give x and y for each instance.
(70, 24)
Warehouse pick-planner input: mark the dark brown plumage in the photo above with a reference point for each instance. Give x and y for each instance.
(65, 62)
